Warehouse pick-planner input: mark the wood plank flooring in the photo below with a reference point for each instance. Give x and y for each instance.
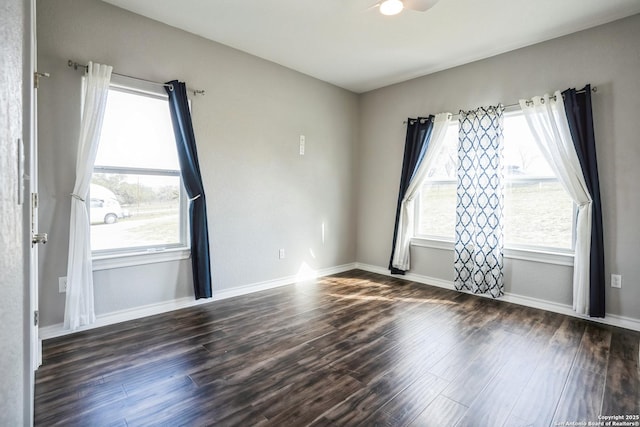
(350, 349)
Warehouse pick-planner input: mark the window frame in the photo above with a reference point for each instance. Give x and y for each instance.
(129, 256)
(545, 254)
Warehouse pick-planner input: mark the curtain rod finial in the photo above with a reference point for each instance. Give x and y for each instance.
(75, 65)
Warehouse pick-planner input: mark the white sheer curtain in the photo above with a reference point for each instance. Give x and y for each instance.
(79, 308)
(406, 221)
(548, 122)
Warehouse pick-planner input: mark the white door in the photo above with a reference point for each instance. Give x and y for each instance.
(36, 237)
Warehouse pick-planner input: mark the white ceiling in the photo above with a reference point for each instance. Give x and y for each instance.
(350, 44)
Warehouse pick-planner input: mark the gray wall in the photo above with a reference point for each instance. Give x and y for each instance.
(14, 334)
(606, 56)
(261, 194)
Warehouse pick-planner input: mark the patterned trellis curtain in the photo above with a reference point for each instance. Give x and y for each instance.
(479, 242)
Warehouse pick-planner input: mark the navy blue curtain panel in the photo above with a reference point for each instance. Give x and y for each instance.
(577, 104)
(415, 146)
(190, 170)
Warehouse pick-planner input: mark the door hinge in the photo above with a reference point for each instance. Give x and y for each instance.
(36, 318)
(36, 78)
(34, 200)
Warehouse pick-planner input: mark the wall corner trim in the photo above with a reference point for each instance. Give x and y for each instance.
(610, 319)
(57, 330)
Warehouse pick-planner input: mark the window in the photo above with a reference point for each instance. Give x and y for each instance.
(539, 214)
(137, 201)
(437, 200)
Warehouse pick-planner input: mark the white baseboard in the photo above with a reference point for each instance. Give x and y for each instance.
(269, 284)
(58, 330)
(610, 319)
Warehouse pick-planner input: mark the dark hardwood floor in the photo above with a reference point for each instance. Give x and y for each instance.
(351, 349)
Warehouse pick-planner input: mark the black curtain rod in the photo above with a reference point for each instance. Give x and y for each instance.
(594, 89)
(76, 66)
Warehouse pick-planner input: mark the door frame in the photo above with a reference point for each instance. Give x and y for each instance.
(33, 353)
(36, 345)
(31, 202)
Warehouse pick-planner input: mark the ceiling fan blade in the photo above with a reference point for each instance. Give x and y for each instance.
(375, 5)
(419, 5)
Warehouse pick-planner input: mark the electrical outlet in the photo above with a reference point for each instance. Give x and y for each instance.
(62, 284)
(616, 281)
(302, 143)
(281, 254)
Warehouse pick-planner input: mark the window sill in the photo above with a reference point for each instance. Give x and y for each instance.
(108, 262)
(546, 257)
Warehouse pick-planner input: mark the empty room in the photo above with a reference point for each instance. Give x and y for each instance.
(328, 213)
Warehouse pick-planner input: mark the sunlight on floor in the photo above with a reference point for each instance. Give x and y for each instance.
(402, 299)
